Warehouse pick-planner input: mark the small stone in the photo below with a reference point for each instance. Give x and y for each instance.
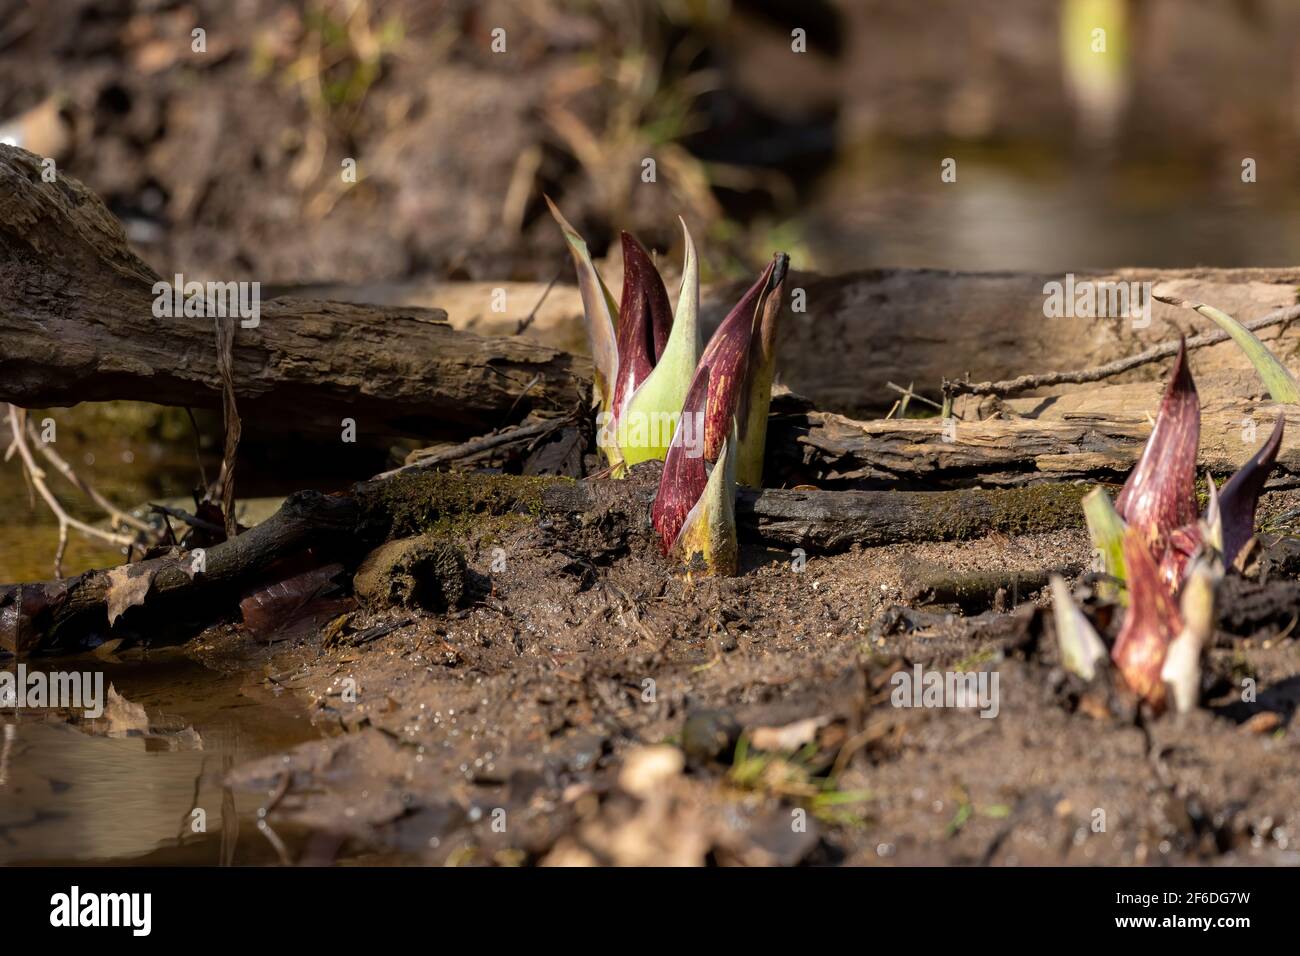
(648, 769)
(709, 734)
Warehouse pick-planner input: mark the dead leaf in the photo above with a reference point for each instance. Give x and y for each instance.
(1264, 722)
(790, 737)
(121, 718)
(127, 587)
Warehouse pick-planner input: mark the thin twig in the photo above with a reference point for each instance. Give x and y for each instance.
(525, 322)
(17, 419)
(230, 413)
(194, 522)
(910, 392)
(953, 387)
(198, 450)
(115, 514)
(477, 445)
(520, 397)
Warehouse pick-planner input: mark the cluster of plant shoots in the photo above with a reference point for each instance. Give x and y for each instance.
(1163, 559)
(661, 393)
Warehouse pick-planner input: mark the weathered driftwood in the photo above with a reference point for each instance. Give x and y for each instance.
(77, 324)
(1098, 440)
(343, 526)
(865, 329)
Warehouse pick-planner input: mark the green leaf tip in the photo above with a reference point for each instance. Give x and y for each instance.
(1281, 384)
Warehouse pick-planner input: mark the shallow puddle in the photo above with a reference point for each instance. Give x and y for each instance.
(70, 795)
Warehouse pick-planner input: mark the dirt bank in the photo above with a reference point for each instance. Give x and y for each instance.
(526, 727)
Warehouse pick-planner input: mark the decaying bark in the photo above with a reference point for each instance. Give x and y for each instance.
(1095, 435)
(344, 526)
(865, 329)
(77, 324)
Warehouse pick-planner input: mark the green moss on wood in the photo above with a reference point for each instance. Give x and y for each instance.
(450, 503)
(958, 515)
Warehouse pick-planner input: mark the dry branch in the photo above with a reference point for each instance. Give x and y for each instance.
(19, 437)
(1029, 382)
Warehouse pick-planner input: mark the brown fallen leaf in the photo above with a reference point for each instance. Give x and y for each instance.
(121, 718)
(127, 586)
(1265, 722)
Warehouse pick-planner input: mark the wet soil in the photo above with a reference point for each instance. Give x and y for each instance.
(605, 710)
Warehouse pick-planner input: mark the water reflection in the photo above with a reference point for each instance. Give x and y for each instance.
(1017, 210)
(70, 795)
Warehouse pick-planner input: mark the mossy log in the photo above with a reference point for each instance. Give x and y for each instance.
(344, 527)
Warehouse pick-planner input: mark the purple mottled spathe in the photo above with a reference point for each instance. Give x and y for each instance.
(1239, 497)
(1151, 623)
(645, 319)
(1160, 494)
(685, 475)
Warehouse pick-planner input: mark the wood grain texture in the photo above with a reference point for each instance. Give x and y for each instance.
(1065, 446)
(77, 324)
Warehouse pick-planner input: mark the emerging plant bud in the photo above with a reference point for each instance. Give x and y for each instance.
(652, 411)
(694, 509)
(1160, 494)
(1166, 551)
(1181, 669)
(684, 475)
(599, 312)
(728, 357)
(644, 321)
(762, 368)
(718, 398)
(1240, 496)
(1106, 529)
(1080, 647)
(707, 542)
(1150, 624)
(658, 390)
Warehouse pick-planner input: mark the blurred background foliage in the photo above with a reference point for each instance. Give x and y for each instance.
(227, 163)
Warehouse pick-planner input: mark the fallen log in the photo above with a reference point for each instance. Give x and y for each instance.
(51, 614)
(1085, 440)
(862, 330)
(77, 324)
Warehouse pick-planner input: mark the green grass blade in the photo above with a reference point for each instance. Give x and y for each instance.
(1281, 385)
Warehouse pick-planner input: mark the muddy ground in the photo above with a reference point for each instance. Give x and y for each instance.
(521, 728)
(585, 708)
